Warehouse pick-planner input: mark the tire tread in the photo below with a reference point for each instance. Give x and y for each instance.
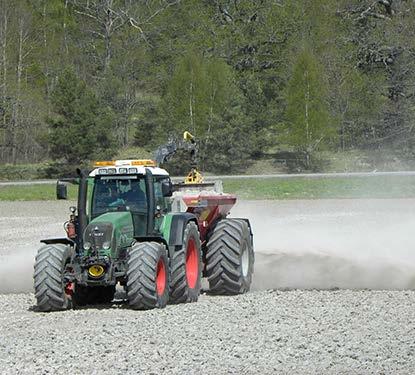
(141, 270)
(223, 257)
(48, 284)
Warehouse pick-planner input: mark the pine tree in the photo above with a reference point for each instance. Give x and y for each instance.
(80, 129)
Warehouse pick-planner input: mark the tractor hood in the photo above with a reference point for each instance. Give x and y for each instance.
(108, 233)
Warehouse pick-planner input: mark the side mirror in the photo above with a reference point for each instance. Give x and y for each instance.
(167, 188)
(61, 190)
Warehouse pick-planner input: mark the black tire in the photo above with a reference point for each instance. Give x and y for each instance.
(186, 268)
(91, 295)
(145, 271)
(48, 275)
(230, 258)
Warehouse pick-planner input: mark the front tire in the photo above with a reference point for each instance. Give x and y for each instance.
(49, 284)
(186, 267)
(230, 258)
(147, 276)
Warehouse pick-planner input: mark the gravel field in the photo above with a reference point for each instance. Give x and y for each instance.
(292, 332)
(315, 246)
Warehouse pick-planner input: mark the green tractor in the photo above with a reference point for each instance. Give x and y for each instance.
(134, 228)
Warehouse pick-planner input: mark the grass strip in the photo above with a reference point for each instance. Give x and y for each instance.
(323, 188)
(264, 188)
(36, 192)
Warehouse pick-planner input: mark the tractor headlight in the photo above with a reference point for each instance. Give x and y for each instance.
(87, 245)
(106, 245)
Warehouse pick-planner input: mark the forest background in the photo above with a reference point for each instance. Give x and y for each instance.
(268, 85)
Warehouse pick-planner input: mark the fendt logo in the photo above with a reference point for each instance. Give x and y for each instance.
(97, 233)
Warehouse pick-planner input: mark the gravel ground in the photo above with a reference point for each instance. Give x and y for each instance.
(320, 332)
(301, 244)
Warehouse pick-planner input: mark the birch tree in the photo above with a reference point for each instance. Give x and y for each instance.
(308, 124)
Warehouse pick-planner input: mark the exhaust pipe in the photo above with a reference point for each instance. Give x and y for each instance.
(82, 194)
(150, 202)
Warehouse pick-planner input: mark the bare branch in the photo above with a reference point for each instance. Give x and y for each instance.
(87, 15)
(377, 15)
(134, 24)
(97, 33)
(226, 15)
(161, 10)
(370, 11)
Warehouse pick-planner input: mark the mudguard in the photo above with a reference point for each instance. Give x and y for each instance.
(178, 223)
(175, 224)
(65, 241)
(159, 239)
(171, 231)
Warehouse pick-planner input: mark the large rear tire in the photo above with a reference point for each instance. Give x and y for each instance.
(49, 284)
(147, 276)
(230, 258)
(186, 267)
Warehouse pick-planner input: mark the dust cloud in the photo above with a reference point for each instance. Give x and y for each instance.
(328, 244)
(320, 244)
(22, 226)
(16, 272)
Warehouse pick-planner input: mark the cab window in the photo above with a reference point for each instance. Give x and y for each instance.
(161, 201)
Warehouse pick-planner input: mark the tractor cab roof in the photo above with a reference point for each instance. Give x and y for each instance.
(126, 167)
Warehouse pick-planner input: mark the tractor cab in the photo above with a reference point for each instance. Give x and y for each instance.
(120, 201)
(134, 186)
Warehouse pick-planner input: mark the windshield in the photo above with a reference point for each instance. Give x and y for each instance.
(119, 194)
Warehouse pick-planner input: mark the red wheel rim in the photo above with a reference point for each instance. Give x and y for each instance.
(161, 277)
(192, 264)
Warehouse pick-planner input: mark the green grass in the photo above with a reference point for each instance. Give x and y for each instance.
(41, 192)
(265, 188)
(313, 188)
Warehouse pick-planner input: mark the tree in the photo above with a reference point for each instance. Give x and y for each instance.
(81, 126)
(202, 97)
(186, 97)
(309, 126)
(376, 36)
(217, 68)
(147, 122)
(199, 91)
(230, 141)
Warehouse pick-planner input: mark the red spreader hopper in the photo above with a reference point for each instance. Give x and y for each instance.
(206, 201)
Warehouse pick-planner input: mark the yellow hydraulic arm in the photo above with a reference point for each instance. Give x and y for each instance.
(166, 152)
(194, 176)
